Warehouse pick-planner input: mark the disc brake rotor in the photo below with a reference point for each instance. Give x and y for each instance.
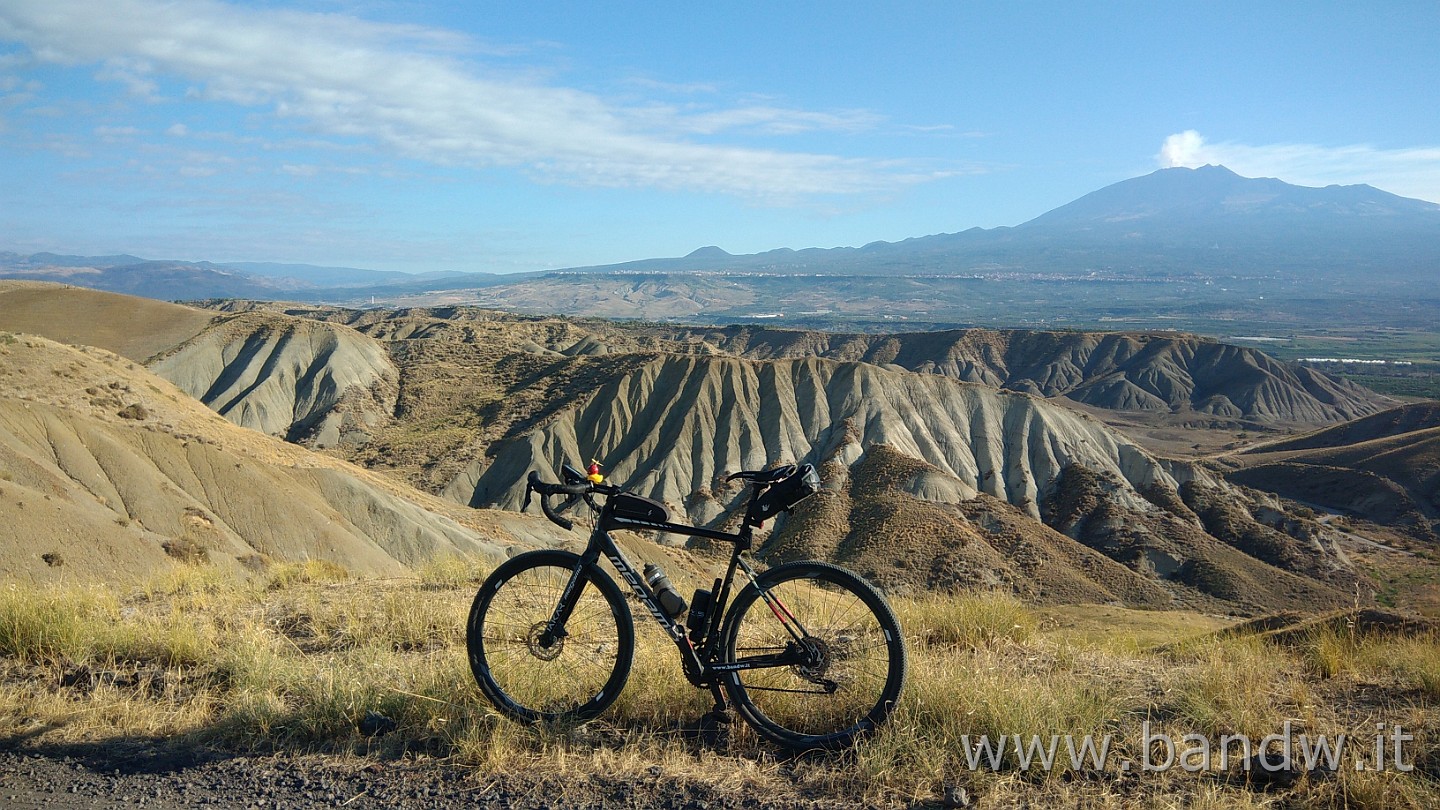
(532, 641)
(818, 664)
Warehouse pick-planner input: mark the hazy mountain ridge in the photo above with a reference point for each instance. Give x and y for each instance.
(1212, 193)
(177, 280)
(1206, 219)
(1208, 222)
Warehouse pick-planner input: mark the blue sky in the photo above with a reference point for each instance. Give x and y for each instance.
(519, 136)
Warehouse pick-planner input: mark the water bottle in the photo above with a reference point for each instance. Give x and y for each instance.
(698, 620)
(670, 599)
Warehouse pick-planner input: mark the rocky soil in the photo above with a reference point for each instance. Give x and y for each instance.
(167, 780)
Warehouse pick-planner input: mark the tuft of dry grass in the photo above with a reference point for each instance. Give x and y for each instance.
(967, 620)
(1233, 686)
(452, 572)
(1333, 651)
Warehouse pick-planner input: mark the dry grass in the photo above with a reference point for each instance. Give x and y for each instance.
(1335, 652)
(293, 660)
(966, 620)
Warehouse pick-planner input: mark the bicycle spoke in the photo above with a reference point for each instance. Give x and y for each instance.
(578, 672)
(843, 677)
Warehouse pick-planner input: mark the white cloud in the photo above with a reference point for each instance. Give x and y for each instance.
(415, 91)
(134, 75)
(116, 134)
(1412, 172)
(774, 121)
(1181, 150)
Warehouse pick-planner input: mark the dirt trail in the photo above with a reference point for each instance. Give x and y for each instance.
(171, 780)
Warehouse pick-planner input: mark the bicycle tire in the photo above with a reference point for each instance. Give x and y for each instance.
(864, 657)
(574, 679)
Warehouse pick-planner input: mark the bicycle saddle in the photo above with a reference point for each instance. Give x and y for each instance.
(764, 476)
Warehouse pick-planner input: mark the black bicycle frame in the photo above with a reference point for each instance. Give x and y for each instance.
(698, 662)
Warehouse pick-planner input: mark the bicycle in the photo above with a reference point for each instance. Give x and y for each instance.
(809, 654)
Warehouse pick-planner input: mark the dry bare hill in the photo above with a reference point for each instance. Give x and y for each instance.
(1417, 416)
(137, 328)
(1155, 373)
(108, 471)
(935, 483)
(320, 384)
(1384, 468)
(1040, 499)
(1120, 371)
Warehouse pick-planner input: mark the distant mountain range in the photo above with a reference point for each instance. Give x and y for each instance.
(180, 280)
(1198, 223)
(1206, 220)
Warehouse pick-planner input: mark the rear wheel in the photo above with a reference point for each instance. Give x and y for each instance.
(530, 676)
(853, 658)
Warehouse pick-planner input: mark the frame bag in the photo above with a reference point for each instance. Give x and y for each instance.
(627, 506)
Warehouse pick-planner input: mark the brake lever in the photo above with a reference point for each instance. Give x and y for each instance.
(529, 490)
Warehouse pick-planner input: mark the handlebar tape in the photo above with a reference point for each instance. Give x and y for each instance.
(534, 484)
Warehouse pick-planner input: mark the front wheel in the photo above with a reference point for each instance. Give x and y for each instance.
(852, 656)
(531, 674)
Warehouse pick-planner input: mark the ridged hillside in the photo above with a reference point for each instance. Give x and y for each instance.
(898, 519)
(680, 422)
(931, 483)
(108, 471)
(1154, 373)
(1121, 371)
(1417, 416)
(1384, 468)
(319, 384)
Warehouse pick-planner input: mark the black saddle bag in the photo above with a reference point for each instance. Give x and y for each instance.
(783, 495)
